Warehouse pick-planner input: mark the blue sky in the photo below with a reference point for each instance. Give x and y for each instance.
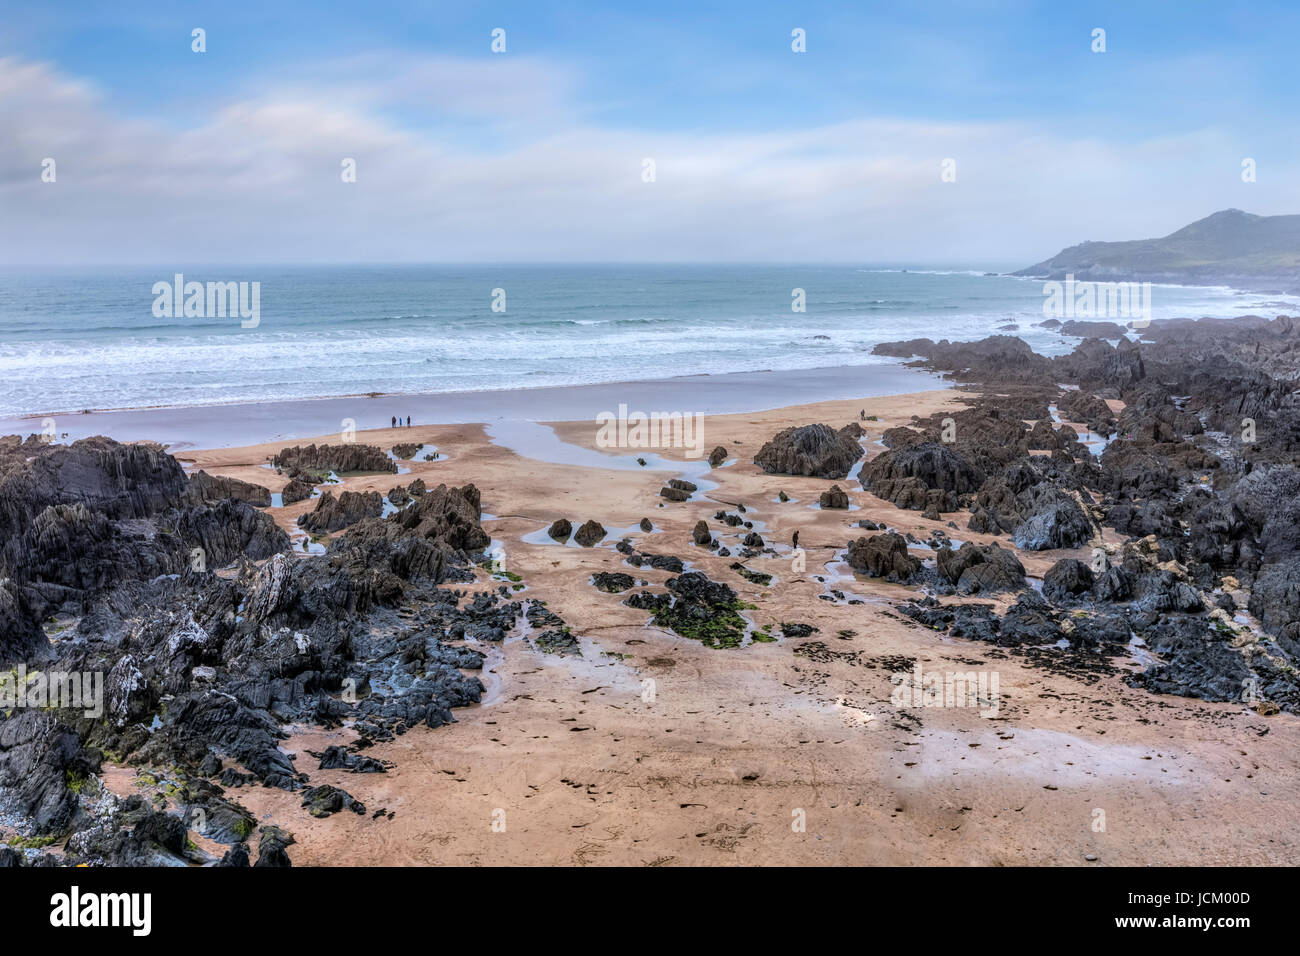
(760, 150)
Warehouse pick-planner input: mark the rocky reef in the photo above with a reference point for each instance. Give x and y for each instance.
(1188, 452)
(208, 636)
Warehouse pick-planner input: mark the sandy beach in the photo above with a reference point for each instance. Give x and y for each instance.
(652, 749)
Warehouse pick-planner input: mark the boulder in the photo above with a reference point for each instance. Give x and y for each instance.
(883, 556)
(836, 497)
(591, 533)
(816, 451)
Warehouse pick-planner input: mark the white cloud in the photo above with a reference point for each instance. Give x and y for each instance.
(492, 160)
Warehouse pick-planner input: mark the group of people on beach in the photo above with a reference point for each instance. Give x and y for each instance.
(397, 422)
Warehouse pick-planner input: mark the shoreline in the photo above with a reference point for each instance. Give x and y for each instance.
(253, 423)
(784, 700)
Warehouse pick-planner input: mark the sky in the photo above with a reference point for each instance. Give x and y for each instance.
(165, 155)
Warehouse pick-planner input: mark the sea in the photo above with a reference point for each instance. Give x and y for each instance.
(90, 339)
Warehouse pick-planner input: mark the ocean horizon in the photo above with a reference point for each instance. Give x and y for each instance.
(90, 339)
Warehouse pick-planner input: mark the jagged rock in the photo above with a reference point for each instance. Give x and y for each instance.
(921, 477)
(1053, 520)
(560, 529)
(883, 556)
(236, 856)
(701, 534)
(976, 568)
(203, 488)
(320, 460)
(717, 456)
(340, 758)
(836, 497)
(1029, 621)
(1067, 579)
(816, 451)
(272, 845)
(335, 514)
(295, 491)
(39, 758)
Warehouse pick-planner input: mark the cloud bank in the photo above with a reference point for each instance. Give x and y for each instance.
(494, 160)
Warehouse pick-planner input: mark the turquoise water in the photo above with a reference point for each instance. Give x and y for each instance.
(74, 340)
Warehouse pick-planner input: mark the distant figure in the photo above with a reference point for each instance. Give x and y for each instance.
(394, 421)
(408, 421)
(862, 415)
(794, 541)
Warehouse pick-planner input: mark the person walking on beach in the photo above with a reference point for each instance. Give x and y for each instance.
(408, 421)
(794, 540)
(394, 422)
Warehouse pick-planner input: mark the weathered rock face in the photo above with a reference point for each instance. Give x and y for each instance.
(1067, 579)
(296, 490)
(39, 757)
(1083, 406)
(883, 556)
(976, 568)
(591, 533)
(813, 450)
(1275, 600)
(1208, 498)
(437, 532)
(86, 517)
(717, 456)
(560, 529)
(204, 488)
(835, 497)
(701, 535)
(319, 460)
(923, 476)
(335, 514)
(405, 450)
(116, 480)
(1052, 520)
(235, 655)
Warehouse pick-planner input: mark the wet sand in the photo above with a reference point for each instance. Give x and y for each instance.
(738, 748)
(215, 426)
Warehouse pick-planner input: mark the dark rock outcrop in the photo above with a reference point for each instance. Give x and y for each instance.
(335, 514)
(883, 556)
(816, 451)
